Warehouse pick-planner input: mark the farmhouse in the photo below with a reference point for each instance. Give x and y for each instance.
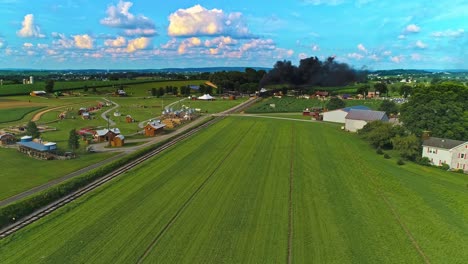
(153, 128)
(338, 115)
(106, 134)
(37, 150)
(357, 119)
(7, 139)
(446, 151)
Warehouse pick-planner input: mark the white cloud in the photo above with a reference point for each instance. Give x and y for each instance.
(220, 41)
(28, 45)
(118, 42)
(361, 48)
(374, 57)
(62, 41)
(387, 53)
(315, 47)
(449, 33)
(412, 28)
(259, 44)
(355, 55)
(397, 59)
(302, 56)
(170, 44)
(199, 21)
(401, 36)
(42, 46)
(83, 41)
(323, 2)
(188, 43)
(29, 30)
(138, 44)
(421, 44)
(2, 43)
(416, 56)
(119, 16)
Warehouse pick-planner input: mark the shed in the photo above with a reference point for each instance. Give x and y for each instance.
(7, 139)
(357, 119)
(118, 141)
(338, 115)
(106, 134)
(153, 128)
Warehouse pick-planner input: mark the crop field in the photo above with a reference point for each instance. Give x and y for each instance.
(20, 172)
(292, 104)
(144, 89)
(251, 190)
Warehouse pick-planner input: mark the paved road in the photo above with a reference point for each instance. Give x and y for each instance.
(104, 115)
(142, 124)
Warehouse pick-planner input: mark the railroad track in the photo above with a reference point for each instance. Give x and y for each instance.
(42, 212)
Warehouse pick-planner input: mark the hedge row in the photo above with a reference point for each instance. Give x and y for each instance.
(15, 211)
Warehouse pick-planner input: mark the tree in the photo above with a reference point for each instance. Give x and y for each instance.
(389, 107)
(381, 87)
(160, 91)
(32, 130)
(73, 140)
(409, 147)
(49, 87)
(363, 89)
(439, 108)
(405, 90)
(85, 88)
(154, 92)
(379, 134)
(335, 103)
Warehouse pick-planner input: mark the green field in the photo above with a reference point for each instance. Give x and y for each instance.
(248, 189)
(20, 173)
(293, 104)
(15, 114)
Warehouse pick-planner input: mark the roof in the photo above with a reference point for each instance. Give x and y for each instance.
(6, 135)
(156, 125)
(442, 143)
(103, 132)
(34, 145)
(206, 97)
(120, 136)
(355, 107)
(366, 115)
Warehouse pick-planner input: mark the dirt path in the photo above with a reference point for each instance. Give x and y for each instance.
(38, 116)
(104, 115)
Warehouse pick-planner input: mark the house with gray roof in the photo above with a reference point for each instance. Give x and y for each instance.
(446, 151)
(356, 118)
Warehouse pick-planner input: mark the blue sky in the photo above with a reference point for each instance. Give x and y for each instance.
(113, 34)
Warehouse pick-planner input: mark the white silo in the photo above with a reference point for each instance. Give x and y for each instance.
(31, 80)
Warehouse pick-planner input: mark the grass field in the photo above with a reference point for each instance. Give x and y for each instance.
(20, 172)
(15, 114)
(249, 190)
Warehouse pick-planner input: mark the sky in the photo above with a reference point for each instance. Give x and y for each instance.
(144, 34)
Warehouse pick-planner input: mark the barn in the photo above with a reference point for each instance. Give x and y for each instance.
(338, 115)
(37, 150)
(357, 119)
(446, 151)
(153, 128)
(7, 139)
(106, 134)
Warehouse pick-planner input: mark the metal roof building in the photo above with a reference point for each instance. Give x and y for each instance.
(357, 119)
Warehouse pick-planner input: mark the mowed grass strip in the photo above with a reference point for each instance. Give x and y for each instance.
(15, 114)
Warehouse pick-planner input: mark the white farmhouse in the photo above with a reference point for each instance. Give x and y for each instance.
(451, 152)
(357, 119)
(338, 115)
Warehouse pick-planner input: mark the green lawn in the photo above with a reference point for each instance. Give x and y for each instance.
(15, 114)
(223, 197)
(20, 172)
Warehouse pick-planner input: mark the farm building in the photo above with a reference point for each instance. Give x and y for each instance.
(206, 97)
(39, 150)
(7, 139)
(446, 151)
(338, 115)
(38, 93)
(321, 94)
(153, 128)
(106, 134)
(118, 141)
(357, 119)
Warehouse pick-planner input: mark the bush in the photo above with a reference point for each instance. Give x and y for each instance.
(459, 171)
(425, 161)
(400, 162)
(379, 151)
(445, 167)
(386, 156)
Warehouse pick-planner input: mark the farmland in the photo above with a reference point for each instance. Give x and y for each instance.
(249, 190)
(15, 114)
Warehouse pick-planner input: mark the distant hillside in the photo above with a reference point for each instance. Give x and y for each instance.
(400, 72)
(211, 69)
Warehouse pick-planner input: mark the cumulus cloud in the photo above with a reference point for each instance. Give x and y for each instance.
(361, 48)
(28, 45)
(62, 41)
(188, 43)
(448, 33)
(42, 46)
(29, 29)
(421, 44)
(412, 28)
(396, 59)
(315, 47)
(83, 41)
(259, 44)
(355, 55)
(2, 43)
(138, 44)
(374, 57)
(220, 41)
(118, 42)
(119, 16)
(199, 21)
(387, 53)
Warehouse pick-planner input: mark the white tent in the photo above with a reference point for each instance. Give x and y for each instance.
(206, 97)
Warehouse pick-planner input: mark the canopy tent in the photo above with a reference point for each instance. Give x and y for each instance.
(206, 97)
